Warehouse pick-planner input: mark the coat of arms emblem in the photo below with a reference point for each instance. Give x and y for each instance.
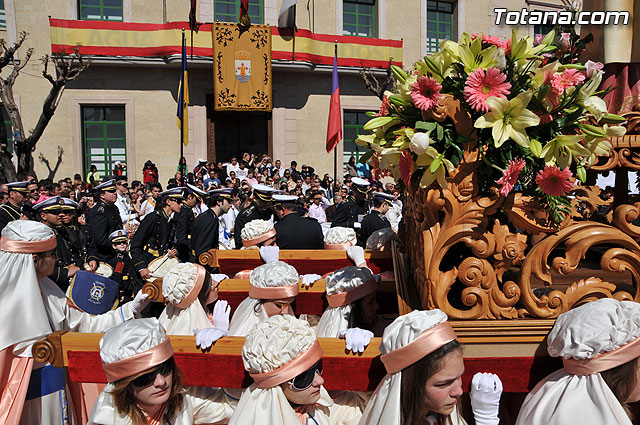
(243, 66)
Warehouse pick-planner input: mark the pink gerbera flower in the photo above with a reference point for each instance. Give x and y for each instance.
(406, 167)
(555, 182)
(425, 93)
(481, 85)
(384, 108)
(568, 78)
(510, 176)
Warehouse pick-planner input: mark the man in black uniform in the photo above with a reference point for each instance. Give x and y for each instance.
(294, 231)
(102, 220)
(51, 213)
(28, 207)
(184, 220)
(352, 206)
(205, 230)
(12, 210)
(375, 220)
(155, 236)
(260, 208)
(123, 272)
(72, 234)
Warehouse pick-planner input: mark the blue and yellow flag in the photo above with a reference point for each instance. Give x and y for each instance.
(183, 97)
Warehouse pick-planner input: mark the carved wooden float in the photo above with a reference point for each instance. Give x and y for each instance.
(310, 300)
(316, 261)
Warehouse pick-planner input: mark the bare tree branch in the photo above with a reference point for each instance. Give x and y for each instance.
(45, 161)
(372, 83)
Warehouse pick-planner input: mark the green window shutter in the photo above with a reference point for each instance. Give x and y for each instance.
(439, 23)
(100, 10)
(103, 137)
(229, 11)
(359, 18)
(352, 127)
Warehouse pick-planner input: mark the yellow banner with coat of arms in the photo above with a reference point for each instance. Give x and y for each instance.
(242, 67)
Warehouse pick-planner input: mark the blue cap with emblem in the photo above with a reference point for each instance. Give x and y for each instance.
(53, 205)
(118, 236)
(22, 187)
(381, 196)
(108, 186)
(263, 192)
(194, 190)
(174, 193)
(225, 192)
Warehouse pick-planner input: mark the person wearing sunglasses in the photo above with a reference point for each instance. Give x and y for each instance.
(284, 359)
(145, 386)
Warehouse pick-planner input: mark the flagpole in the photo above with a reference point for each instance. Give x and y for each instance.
(335, 150)
(182, 121)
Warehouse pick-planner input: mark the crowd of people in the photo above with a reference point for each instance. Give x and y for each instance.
(55, 234)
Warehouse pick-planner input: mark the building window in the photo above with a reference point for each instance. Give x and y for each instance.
(353, 123)
(359, 18)
(100, 10)
(439, 23)
(229, 11)
(3, 16)
(103, 137)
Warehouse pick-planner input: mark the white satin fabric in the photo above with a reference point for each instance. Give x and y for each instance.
(333, 320)
(23, 314)
(563, 398)
(248, 314)
(56, 408)
(201, 406)
(131, 338)
(384, 406)
(271, 407)
(347, 407)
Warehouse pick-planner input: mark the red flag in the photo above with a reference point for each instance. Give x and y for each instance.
(194, 25)
(334, 127)
(244, 18)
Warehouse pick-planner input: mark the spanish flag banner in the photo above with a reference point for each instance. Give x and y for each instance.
(242, 78)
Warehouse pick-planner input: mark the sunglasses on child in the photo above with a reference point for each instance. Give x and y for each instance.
(305, 379)
(147, 379)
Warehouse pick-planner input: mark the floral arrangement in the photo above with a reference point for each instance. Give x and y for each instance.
(535, 116)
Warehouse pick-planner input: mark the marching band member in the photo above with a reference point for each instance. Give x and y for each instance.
(12, 210)
(376, 219)
(32, 300)
(205, 231)
(124, 274)
(145, 384)
(423, 384)
(598, 343)
(284, 359)
(156, 233)
(102, 220)
(260, 208)
(184, 219)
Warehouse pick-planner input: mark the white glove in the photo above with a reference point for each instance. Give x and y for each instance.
(218, 277)
(220, 316)
(206, 337)
(309, 279)
(356, 254)
(269, 253)
(356, 339)
(486, 389)
(139, 302)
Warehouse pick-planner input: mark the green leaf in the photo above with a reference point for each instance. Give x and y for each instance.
(439, 132)
(397, 101)
(425, 125)
(364, 158)
(400, 75)
(536, 148)
(377, 123)
(582, 173)
(612, 119)
(435, 165)
(371, 114)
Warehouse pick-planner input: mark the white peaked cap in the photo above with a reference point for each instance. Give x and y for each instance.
(275, 273)
(255, 228)
(275, 342)
(180, 285)
(337, 235)
(384, 406)
(347, 279)
(594, 328)
(130, 338)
